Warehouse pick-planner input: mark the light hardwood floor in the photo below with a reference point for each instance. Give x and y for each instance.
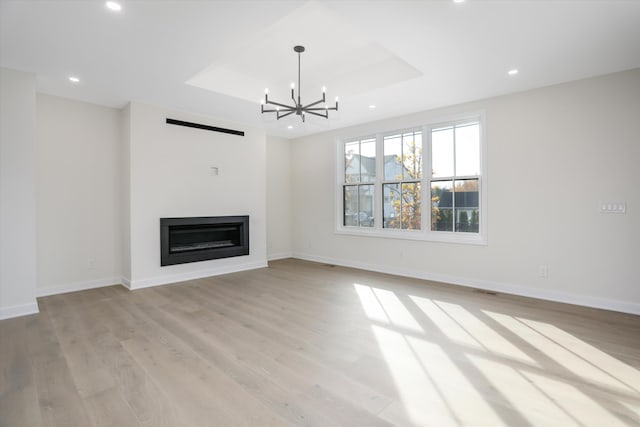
(301, 343)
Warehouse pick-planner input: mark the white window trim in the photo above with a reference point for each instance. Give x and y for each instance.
(425, 234)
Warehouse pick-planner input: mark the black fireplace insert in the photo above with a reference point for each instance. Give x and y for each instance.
(193, 239)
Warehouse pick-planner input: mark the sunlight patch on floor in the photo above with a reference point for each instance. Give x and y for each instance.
(446, 324)
(573, 402)
(633, 408)
(370, 304)
(488, 338)
(453, 366)
(528, 399)
(384, 306)
(627, 377)
(433, 390)
(563, 349)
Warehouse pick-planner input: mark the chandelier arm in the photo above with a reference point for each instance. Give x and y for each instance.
(313, 103)
(286, 110)
(321, 109)
(279, 116)
(326, 116)
(292, 107)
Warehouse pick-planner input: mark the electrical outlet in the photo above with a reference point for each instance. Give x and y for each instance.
(543, 271)
(613, 207)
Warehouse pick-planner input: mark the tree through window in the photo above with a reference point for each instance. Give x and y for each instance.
(402, 201)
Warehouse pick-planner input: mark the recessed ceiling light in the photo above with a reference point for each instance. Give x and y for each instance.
(74, 79)
(458, 1)
(289, 127)
(372, 106)
(512, 72)
(112, 5)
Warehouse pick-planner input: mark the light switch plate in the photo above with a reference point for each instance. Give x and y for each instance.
(613, 207)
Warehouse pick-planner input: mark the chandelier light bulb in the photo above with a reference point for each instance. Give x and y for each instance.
(324, 89)
(266, 91)
(293, 85)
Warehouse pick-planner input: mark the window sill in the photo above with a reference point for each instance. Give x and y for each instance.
(428, 236)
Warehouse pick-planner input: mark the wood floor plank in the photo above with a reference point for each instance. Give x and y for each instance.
(60, 402)
(303, 343)
(41, 338)
(108, 409)
(150, 406)
(18, 393)
(203, 393)
(301, 385)
(74, 329)
(255, 378)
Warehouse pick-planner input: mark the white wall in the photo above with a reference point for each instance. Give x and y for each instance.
(278, 198)
(79, 203)
(125, 192)
(17, 193)
(554, 154)
(171, 176)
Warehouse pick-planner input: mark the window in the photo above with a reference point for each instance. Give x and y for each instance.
(359, 178)
(455, 165)
(401, 185)
(402, 206)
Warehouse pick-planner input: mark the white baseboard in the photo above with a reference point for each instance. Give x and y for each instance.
(279, 255)
(19, 310)
(131, 285)
(181, 277)
(78, 286)
(506, 288)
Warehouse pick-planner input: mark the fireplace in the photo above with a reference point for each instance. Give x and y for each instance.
(193, 239)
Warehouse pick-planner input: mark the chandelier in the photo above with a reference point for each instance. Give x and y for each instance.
(284, 110)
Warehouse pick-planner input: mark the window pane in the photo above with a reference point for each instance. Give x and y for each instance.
(391, 202)
(351, 205)
(352, 162)
(442, 152)
(412, 155)
(411, 211)
(368, 160)
(468, 150)
(392, 157)
(441, 206)
(467, 205)
(367, 202)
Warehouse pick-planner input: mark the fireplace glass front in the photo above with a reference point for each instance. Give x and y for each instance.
(192, 239)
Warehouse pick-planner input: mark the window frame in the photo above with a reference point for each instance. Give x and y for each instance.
(425, 233)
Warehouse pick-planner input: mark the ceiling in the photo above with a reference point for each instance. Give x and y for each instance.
(215, 58)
